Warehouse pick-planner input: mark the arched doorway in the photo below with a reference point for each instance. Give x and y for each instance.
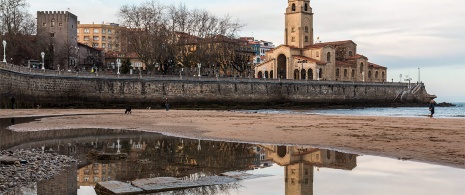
(302, 74)
(282, 68)
(296, 74)
(260, 74)
(271, 74)
(310, 74)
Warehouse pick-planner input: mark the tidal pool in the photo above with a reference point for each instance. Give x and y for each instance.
(269, 169)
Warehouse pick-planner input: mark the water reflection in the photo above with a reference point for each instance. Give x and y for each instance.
(148, 155)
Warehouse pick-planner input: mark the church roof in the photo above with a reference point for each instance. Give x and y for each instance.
(288, 46)
(356, 56)
(375, 65)
(335, 43)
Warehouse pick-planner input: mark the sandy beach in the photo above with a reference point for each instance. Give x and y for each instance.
(438, 141)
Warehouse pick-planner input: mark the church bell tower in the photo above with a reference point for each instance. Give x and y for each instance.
(299, 24)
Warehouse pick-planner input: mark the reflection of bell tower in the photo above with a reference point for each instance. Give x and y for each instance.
(299, 162)
(299, 179)
(299, 24)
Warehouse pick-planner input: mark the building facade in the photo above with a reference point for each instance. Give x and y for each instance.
(105, 36)
(59, 29)
(300, 58)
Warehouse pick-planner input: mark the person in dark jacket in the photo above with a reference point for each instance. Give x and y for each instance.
(13, 102)
(431, 107)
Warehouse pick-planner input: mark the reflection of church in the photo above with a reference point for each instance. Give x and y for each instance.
(299, 162)
(301, 58)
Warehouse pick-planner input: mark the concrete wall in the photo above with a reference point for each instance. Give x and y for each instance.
(31, 90)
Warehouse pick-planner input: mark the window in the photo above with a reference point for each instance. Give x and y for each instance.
(78, 30)
(369, 74)
(328, 57)
(95, 179)
(86, 178)
(104, 45)
(306, 7)
(95, 45)
(306, 29)
(86, 38)
(52, 34)
(376, 75)
(293, 39)
(96, 38)
(104, 31)
(337, 72)
(361, 67)
(382, 74)
(317, 54)
(345, 73)
(53, 23)
(109, 31)
(109, 46)
(60, 24)
(44, 24)
(86, 31)
(293, 7)
(292, 29)
(350, 53)
(96, 30)
(104, 38)
(353, 73)
(306, 38)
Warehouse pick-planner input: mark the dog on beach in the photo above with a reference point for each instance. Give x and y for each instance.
(128, 110)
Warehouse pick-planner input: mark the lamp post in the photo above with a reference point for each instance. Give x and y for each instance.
(419, 81)
(118, 64)
(363, 76)
(4, 51)
(199, 65)
(43, 55)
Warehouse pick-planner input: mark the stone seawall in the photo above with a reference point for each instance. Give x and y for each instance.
(45, 90)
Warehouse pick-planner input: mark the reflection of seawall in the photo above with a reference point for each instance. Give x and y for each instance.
(299, 162)
(53, 90)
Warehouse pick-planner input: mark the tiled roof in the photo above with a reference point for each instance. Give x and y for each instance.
(375, 65)
(341, 63)
(356, 56)
(335, 43)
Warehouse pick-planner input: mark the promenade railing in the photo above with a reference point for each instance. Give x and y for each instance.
(113, 75)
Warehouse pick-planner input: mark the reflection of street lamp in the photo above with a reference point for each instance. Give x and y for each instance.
(4, 51)
(43, 55)
(199, 65)
(118, 64)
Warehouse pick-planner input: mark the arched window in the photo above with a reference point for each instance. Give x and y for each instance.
(361, 67)
(353, 73)
(317, 54)
(306, 29)
(383, 75)
(369, 74)
(306, 7)
(328, 57)
(266, 74)
(310, 74)
(345, 73)
(293, 7)
(337, 72)
(376, 75)
(302, 74)
(350, 53)
(53, 23)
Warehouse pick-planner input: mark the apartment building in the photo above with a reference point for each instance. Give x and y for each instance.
(105, 36)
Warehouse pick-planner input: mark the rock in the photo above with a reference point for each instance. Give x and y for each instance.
(6, 160)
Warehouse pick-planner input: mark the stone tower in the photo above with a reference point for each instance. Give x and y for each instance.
(299, 24)
(59, 28)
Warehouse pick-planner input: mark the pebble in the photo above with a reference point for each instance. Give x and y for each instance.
(35, 166)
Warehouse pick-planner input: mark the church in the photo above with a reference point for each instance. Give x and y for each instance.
(300, 58)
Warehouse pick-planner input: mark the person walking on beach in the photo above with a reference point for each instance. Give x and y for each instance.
(431, 107)
(12, 102)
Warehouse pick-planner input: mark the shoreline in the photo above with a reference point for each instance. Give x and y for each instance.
(438, 141)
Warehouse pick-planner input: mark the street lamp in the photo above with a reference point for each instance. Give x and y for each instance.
(199, 65)
(43, 55)
(4, 51)
(118, 64)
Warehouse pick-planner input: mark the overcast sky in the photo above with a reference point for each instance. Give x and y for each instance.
(404, 35)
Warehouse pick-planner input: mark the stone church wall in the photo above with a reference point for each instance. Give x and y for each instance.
(31, 91)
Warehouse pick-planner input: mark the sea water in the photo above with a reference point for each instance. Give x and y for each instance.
(457, 111)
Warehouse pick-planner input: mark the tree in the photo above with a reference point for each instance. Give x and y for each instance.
(125, 66)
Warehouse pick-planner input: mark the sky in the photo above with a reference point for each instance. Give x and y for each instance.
(413, 38)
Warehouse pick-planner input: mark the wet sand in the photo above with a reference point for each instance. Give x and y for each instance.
(438, 141)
